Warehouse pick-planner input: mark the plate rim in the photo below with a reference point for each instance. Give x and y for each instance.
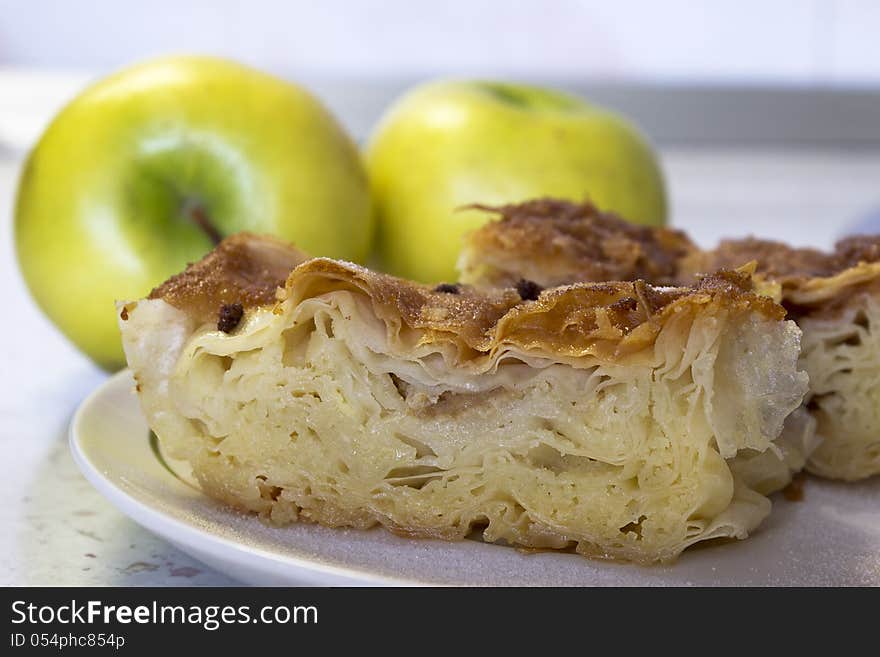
(193, 536)
(272, 560)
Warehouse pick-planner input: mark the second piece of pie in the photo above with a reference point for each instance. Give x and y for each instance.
(833, 296)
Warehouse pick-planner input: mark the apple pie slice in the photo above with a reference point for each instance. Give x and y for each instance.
(553, 242)
(600, 417)
(834, 298)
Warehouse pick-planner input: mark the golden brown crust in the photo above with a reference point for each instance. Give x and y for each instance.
(811, 281)
(598, 318)
(555, 242)
(831, 296)
(606, 319)
(789, 265)
(466, 314)
(243, 269)
(857, 249)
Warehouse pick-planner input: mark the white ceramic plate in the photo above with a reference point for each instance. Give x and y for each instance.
(832, 537)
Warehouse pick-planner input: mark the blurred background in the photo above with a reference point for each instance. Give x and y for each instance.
(766, 114)
(739, 41)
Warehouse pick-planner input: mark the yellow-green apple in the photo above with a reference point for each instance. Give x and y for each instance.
(448, 144)
(148, 168)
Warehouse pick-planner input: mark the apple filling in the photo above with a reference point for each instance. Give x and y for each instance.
(315, 410)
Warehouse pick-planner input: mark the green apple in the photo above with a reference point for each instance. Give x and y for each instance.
(150, 167)
(448, 144)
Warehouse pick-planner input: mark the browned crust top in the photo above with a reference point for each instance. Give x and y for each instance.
(556, 242)
(606, 319)
(811, 282)
(787, 264)
(243, 269)
(597, 318)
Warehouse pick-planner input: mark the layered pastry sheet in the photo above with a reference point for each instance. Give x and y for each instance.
(832, 296)
(623, 420)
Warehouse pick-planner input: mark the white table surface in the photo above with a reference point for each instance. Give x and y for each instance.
(59, 531)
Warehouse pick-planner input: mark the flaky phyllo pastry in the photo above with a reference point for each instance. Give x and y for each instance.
(834, 298)
(619, 419)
